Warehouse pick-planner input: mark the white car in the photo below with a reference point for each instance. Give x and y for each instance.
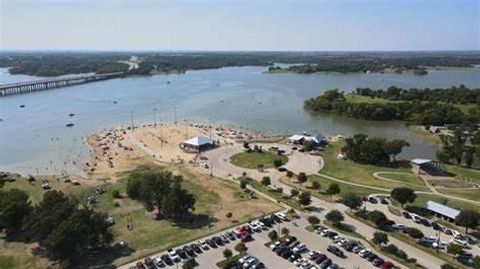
(203, 245)
(298, 261)
(281, 216)
(312, 254)
(244, 258)
(440, 245)
(254, 226)
(459, 241)
(299, 248)
(324, 232)
(364, 252)
(399, 227)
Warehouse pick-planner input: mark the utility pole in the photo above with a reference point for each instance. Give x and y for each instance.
(155, 117)
(175, 114)
(131, 119)
(210, 121)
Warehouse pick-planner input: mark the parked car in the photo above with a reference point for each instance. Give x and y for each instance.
(335, 250)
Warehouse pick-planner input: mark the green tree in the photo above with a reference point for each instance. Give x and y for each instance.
(352, 201)
(447, 266)
(305, 198)
(241, 247)
(333, 189)
(273, 235)
(285, 231)
(468, 219)
(313, 220)
(72, 236)
(315, 185)
(380, 238)
(177, 202)
(309, 145)
(266, 180)
(454, 249)
(378, 218)
(415, 233)
(403, 195)
(294, 192)
(243, 183)
(476, 261)
(227, 253)
(229, 215)
(395, 147)
(54, 208)
(302, 177)
(14, 208)
(289, 173)
(277, 162)
(116, 193)
(334, 216)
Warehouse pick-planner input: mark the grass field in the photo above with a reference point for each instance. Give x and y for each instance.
(215, 198)
(463, 174)
(252, 160)
(471, 194)
(354, 172)
(423, 198)
(410, 179)
(324, 183)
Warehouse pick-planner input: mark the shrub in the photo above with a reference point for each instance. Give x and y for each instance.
(243, 183)
(315, 185)
(313, 220)
(116, 193)
(277, 162)
(414, 233)
(266, 180)
(289, 173)
(227, 253)
(229, 215)
(302, 177)
(378, 218)
(241, 247)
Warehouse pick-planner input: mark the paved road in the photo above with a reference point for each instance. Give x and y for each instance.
(223, 168)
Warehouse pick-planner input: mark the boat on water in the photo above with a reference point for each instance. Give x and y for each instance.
(71, 115)
(70, 125)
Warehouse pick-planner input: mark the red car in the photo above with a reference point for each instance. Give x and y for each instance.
(387, 265)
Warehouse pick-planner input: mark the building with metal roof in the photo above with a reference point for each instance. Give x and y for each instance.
(442, 211)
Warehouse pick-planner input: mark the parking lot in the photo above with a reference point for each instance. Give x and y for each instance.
(207, 259)
(433, 232)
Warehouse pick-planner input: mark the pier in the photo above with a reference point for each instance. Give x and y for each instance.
(47, 84)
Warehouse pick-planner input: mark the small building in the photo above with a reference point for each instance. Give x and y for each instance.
(300, 139)
(442, 211)
(196, 144)
(426, 166)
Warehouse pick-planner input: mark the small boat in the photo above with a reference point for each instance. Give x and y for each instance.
(115, 102)
(70, 125)
(22, 106)
(71, 115)
(168, 82)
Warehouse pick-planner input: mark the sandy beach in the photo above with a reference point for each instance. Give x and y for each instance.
(119, 150)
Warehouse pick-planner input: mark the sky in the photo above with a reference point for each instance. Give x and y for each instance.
(286, 25)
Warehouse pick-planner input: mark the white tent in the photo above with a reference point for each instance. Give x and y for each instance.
(198, 141)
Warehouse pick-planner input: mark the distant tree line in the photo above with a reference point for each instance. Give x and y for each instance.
(399, 63)
(62, 63)
(452, 95)
(418, 111)
(374, 150)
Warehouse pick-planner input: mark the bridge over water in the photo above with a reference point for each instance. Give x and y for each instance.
(52, 83)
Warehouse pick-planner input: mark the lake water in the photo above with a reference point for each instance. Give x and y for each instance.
(35, 138)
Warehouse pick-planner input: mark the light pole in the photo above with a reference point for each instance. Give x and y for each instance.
(155, 117)
(131, 119)
(175, 114)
